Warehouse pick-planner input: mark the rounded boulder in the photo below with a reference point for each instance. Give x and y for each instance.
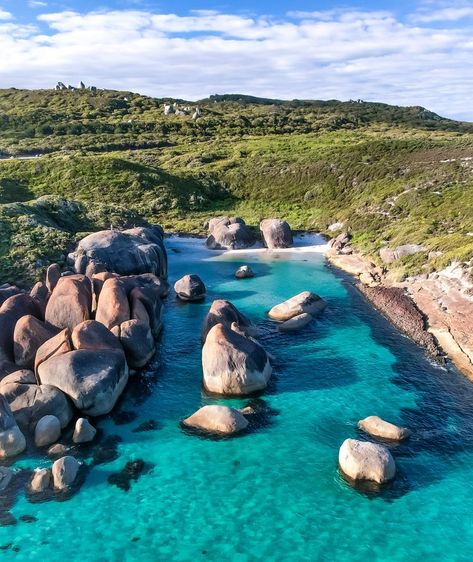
(362, 460)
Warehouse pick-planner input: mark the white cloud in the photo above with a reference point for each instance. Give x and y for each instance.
(444, 15)
(323, 55)
(37, 4)
(4, 15)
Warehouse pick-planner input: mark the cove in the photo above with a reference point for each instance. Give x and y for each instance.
(274, 493)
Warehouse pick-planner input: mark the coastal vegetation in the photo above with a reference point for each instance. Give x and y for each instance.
(391, 175)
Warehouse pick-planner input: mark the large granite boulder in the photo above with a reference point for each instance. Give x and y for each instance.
(29, 335)
(224, 312)
(217, 419)
(12, 441)
(305, 302)
(29, 402)
(113, 307)
(229, 234)
(137, 250)
(138, 342)
(94, 335)
(93, 379)
(190, 288)
(7, 291)
(276, 233)
(233, 364)
(361, 460)
(70, 303)
(53, 274)
(389, 255)
(378, 427)
(147, 298)
(10, 312)
(40, 294)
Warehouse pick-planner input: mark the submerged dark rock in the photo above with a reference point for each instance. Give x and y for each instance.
(131, 471)
(149, 425)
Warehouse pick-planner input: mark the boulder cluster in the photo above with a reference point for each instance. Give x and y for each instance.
(68, 346)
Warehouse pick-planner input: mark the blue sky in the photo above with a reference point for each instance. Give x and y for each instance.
(407, 53)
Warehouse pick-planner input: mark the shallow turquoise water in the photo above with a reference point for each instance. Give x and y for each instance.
(275, 494)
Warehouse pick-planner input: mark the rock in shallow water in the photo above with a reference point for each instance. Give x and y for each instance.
(84, 431)
(233, 364)
(41, 480)
(217, 419)
(378, 427)
(64, 472)
(361, 460)
(224, 312)
(305, 302)
(190, 288)
(244, 272)
(12, 441)
(295, 323)
(276, 233)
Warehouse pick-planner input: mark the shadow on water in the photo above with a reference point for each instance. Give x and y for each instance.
(441, 422)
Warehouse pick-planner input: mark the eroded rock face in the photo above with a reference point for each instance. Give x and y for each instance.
(296, 322)
(233, 364)
(133, 251)
(12, 441)
(70, 303)
(60, 343)
(224, 312)
(229, 234)
(276, 233)
(339, 242)
(378, 427)
(190, 288)
(29, 402)
(93, 380)
(53, 274)
(305, 302)
(138, 342)
(217, 419)
(361, 460)
(29, 335)
(389, 255)
(64, 472)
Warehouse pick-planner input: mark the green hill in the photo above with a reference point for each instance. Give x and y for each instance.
(392, 174)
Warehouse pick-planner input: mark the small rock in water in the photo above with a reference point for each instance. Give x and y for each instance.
(41, 480)
(57, 450)
(244, 272)
(107, 451)
(190, 288)
(295, 323)
(6, 474)
(7, 519)
(84, 431)
(362, 460)
(217, 419)
(65, 471)
(149, 425)
(378, 427)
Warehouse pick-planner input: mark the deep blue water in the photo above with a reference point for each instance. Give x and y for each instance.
(274, 494)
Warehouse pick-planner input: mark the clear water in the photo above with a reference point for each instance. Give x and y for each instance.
(275, 494)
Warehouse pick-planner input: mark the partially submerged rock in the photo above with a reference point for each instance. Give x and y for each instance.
(361, 460)
(233, 364)
(84, 431)
(64, 472)
(378, 427)
(224, 312)
(296, 322)
(217, 419)
(305, 302)
(40, 480)
(190, 288)
(244, 272)
(276, 233)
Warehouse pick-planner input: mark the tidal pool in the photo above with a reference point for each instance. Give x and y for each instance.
(274, 494)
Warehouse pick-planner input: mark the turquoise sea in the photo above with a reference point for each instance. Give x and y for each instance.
(274, 494)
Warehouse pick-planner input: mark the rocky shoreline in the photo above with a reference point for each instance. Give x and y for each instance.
(434, 310)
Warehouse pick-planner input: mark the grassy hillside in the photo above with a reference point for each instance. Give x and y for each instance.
(393, 175)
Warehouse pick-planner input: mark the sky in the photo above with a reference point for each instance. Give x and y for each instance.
(404, 53)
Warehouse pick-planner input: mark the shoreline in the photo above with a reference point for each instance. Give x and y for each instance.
(442, 300)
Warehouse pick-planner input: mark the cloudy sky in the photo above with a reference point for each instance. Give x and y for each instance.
(405, 53)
